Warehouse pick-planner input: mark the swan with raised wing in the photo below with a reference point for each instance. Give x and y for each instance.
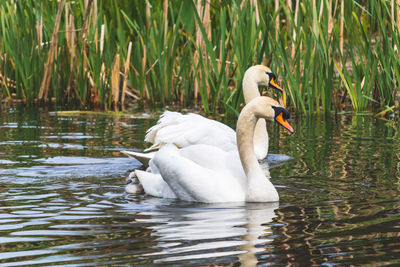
(209, 174)
(184, 130)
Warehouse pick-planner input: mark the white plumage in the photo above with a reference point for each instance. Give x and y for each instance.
(207, 173)
(190, 129)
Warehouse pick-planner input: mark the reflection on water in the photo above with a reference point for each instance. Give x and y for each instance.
(62, 198)
(209, 228)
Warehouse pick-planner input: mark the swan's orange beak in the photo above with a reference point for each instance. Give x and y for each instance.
(284, 122)
(274, 85)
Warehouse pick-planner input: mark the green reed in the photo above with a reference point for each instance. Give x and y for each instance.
(185, 53)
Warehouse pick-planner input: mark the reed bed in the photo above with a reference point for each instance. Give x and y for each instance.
(330, 55)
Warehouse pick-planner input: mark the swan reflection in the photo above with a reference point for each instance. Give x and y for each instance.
(209, 230)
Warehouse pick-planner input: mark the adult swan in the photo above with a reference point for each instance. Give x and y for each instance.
(184, 130)
(209, 174)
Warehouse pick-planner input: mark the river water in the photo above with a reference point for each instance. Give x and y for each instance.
(62, 198)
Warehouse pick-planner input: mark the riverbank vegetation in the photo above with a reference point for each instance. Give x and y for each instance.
(329, 55)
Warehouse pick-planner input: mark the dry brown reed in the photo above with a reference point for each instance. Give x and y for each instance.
(204, 14)
(44, 88)
(126, 72)
(115, 80)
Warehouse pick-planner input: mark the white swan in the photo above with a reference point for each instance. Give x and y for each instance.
(207, 173)
(184, 130)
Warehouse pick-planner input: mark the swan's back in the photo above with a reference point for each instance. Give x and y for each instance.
(190, 129)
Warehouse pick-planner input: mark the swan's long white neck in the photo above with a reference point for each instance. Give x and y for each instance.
(251, 91)
(259, 188)
(244, 134)
(250, 86)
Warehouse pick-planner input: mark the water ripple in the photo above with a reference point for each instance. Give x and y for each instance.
(62, 200)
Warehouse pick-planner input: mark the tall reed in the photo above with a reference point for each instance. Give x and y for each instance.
(329, 54)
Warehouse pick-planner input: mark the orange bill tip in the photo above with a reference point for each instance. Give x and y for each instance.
(284, 123)
(273, 84)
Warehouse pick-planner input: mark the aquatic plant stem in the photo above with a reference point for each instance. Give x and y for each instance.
(44, 88)
(82, 38)
(125, 79)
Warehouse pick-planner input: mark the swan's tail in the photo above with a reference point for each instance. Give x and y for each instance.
(144, 158)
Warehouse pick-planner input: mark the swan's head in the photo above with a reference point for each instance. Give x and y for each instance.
(262, 75)
(133, 185)
(268, 108)
(282, 116)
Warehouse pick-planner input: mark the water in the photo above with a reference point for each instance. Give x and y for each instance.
(62, 199)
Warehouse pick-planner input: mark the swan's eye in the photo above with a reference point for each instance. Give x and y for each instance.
(286, 114)
(270, 75)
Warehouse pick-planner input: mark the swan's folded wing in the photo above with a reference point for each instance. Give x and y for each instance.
(197, 181)
(166, 119)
